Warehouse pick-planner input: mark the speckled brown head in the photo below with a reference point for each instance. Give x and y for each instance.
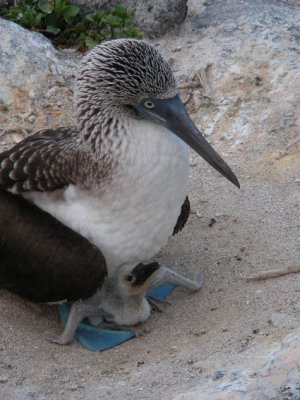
(119, 73)
(120, 84)
(128, 79)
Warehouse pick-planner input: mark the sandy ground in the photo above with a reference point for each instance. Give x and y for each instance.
(256, 228)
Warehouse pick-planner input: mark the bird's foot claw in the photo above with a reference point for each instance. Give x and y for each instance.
(140, 330)
(199, 281)
(58, 339)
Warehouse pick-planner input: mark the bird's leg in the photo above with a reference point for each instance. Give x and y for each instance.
(79, 311)
(167, 275)
(159, 305)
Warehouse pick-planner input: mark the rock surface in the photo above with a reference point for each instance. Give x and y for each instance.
(28, 59)
(31, 72)
(237, 64)
(272, 376)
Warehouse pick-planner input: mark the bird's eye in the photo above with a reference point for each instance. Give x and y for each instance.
(129, 278)
(149, 104)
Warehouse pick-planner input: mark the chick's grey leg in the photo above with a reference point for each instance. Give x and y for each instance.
(167, 275)
(79, 311)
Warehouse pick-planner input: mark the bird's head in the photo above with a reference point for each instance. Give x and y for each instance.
(129, 78)
(135, 280)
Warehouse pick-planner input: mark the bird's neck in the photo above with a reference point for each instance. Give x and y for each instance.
(97, 127)
(101, 122)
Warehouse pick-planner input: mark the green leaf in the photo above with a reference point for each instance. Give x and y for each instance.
(47, 6)
(52, 29)
(111, 20)
(92, 34)
(70, 12)
(121, 11)
(89, 42)
(38, 19)
(80, 27)
(95, 18)
(59, 5)
(90, 17)
(132, 33)
(55, 20)
(27, 18)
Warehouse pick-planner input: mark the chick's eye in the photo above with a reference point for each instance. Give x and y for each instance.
(129, 278)
(149, 104)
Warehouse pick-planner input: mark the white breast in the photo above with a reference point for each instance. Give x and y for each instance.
(133, 217)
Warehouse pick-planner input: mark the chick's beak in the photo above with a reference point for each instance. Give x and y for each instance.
(143, 271)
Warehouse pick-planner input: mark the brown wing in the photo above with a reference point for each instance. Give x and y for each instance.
(43, 260)
(183, 217)
(45, 161)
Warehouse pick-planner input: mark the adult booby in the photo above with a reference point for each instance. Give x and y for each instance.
(122, 302)
(120, 176)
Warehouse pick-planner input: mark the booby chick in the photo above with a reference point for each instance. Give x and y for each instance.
(120, 176)
(121, 303)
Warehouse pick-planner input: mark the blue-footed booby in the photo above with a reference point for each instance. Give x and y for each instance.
(120, 176)
(122, 302)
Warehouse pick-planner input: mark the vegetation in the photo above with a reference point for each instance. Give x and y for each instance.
(65, 25)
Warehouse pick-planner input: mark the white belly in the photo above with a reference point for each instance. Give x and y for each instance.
(133, 217)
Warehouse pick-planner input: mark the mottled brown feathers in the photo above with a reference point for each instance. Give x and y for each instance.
(125, 70)
(46, 161)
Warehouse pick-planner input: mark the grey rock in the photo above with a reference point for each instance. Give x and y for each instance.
(274, 376)
(3, 379)
(230, 15)
(27, 59)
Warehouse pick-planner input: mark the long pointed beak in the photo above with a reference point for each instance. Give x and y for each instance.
(172, 114)
(143, 271)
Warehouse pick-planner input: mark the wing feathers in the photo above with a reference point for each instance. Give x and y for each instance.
(43, 162)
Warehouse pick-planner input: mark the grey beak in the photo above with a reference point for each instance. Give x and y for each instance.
(172, 114)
